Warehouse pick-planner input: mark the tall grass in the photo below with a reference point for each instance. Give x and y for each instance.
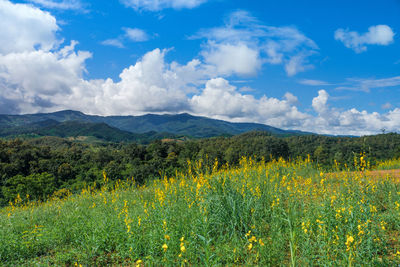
(267, 214)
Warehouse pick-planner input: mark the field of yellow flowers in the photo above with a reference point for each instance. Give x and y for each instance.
(266, 214)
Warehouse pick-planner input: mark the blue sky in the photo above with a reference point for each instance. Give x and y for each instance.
(321, 66)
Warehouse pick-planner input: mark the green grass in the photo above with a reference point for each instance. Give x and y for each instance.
(271, 214)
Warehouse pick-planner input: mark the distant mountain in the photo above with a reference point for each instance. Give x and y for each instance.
(179, 124)
(80, 130)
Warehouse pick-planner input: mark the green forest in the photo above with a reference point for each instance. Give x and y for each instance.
(41, 167)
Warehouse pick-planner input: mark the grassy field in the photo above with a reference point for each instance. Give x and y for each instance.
(268, 214)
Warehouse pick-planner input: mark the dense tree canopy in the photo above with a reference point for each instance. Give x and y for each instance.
(38, 167)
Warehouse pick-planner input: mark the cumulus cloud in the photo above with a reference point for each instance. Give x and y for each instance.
(63, 4)
(376, 35)
(151, 5)
(233, 58)
(31, 76)
(33, 68)
(331, 120)
(244, 44)
(290, 98)
(41, 81)
(24, 28)
(219, 99)
(319, 102)
(150, 85)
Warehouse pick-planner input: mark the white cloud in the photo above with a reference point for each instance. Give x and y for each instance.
(313, 82)
(131, 34)
(34, 75)
(376, 35)
(290, 98)
(319, 102)
(365, 85)
(144, 87)
(151, 85)
(63, 4)
(113, 42)
(33, 70)
(229, 59)
(25, 28)
(151, 5)
(221, 100)
(287, 42)
(136, 35)
(352, 122)
(297, 64)
(244, 37)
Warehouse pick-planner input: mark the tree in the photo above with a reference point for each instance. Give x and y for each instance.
(36, 186)
(65, 173)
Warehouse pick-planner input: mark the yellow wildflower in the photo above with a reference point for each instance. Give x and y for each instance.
(253, 239)
(349, 241)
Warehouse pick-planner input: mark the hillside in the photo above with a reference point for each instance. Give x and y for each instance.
(179, 124)
(81, 130)
(282, 213)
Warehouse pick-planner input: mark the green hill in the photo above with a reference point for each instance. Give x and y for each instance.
(80, 130)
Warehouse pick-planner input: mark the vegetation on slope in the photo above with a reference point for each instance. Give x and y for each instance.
(267, 214)
(59, 163)
(179, 124)
(99, 132)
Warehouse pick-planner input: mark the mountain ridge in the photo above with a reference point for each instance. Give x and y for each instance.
(177, 124)
(80, 130)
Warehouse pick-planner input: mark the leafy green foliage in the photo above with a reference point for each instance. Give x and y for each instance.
(35, 186)
(80, 131)
(75, 165)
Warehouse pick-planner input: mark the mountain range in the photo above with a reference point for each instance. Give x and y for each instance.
(69, 123)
